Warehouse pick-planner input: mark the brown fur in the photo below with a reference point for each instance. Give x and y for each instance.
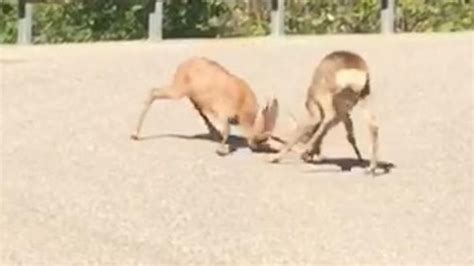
(340, 81)
(215, 92)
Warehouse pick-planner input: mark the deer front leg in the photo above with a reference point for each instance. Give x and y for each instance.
(313, 147)
(305, 128)
(327, 112)
(224, 148)
(213, 132)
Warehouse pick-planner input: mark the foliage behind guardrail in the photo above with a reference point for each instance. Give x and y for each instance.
(363, 16)
(435, 15)
(8, 20)
(94, 20)
(76, 21)
(336, 16)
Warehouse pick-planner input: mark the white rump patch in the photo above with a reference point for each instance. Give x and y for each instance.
(353, 77)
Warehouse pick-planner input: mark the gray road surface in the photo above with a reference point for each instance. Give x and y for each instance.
(76, 190)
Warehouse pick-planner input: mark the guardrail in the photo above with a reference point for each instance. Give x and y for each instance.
(25, 21)
(155, 19)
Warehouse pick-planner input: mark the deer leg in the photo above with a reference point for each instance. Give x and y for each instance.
(213, 132)
(315, 109)
(303, 130)
(155, 93)
(224, 148)
(349, 126)
(313, 147)
(374, 135)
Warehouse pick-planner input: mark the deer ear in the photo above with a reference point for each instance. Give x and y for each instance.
(266, 120)
(270, 114)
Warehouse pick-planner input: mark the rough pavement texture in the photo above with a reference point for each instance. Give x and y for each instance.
(76, 189)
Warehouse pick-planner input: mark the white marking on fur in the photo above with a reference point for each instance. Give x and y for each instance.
(353, 77)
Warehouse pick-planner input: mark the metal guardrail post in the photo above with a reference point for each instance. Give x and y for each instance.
(277, 17)
(388, 16)
(25, 22)
(155, 22)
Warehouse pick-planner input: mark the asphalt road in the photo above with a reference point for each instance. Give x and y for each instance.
(76, 190)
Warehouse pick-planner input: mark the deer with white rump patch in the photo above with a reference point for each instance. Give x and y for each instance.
(340, 81)
(215, 92)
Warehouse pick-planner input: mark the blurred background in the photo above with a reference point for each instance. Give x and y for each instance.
(57, 21)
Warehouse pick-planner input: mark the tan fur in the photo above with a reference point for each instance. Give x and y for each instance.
(340, 81)
(215, 92)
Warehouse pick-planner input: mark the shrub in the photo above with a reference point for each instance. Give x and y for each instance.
(86, 20)
(8, 22)
(332, 16)
(435, 16)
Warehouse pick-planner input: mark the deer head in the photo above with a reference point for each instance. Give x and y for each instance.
(265, 122)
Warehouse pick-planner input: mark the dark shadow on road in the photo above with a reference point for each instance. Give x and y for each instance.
(346, 164)
(236, 142)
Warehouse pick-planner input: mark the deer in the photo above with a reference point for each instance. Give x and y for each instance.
(340, 82)
(216, 93)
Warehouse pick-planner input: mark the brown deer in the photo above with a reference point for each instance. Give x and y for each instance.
(340, 81)
(216, 93)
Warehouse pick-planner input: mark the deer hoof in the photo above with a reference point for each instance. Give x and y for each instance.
(307, 156)
(223, 150)
(274, 159)
(134, 137)
(371, 170)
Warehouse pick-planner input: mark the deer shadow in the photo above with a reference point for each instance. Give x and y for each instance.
(347, 164)
(235, 142)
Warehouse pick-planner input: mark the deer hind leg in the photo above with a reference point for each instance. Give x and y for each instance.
(349, 126)
(213, 132)
(374, 134)
(155, 93)
(315, 109)
(313, 147)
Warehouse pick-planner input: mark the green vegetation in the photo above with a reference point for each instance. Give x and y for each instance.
(95, 20)
(435, 15)
(8, 19)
